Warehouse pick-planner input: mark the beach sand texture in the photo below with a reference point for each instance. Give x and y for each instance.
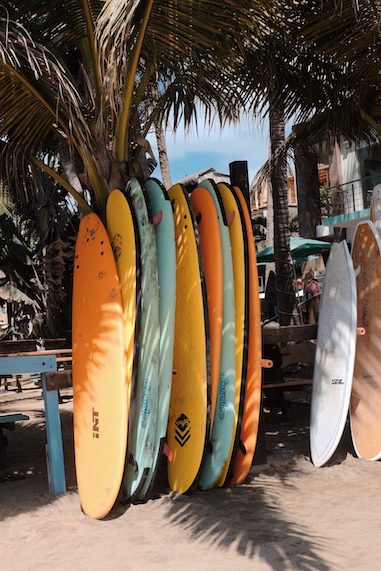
(288, 516)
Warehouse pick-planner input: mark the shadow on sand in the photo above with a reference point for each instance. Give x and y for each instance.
(24, 481)
(249, 518)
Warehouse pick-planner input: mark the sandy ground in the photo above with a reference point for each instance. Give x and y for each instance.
(288, 516)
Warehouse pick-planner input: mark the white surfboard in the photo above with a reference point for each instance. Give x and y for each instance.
(335, 356)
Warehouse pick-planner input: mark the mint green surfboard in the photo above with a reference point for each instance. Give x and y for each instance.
(219, 449)
(141, 445)
(160, 209)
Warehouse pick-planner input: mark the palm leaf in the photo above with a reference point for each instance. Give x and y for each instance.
(36, 93)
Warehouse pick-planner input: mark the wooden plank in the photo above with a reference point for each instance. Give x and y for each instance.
(60, 343)
(23, 345)
(12, 365)
(64, 359)
(40, 353)
(16, 417)
(287, 383)
(273, 335)
(58, 380)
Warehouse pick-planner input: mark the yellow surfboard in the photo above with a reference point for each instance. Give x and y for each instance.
(99, 371)
(122, 233)
(188, 424)
(239, 256)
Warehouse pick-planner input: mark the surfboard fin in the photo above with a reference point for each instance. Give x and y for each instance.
(230, 217)
(157, 218)
(168, 452)
(132, 462)
(355, 401)
(357, 271)
(242, 447)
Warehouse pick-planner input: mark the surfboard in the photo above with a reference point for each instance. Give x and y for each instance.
(122, 232)
(366, 388)
(160, 207)
(188, 423)
(335, 355)
(225, 419)
(238, 239)
(208, 225)
(375, 208)
(100, 390)
(143, 418)
(252, 400)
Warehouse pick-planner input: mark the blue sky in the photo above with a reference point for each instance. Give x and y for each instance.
(215, 147)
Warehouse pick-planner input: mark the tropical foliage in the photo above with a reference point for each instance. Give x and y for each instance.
(83, 81)
(37, 244)
(76, 79)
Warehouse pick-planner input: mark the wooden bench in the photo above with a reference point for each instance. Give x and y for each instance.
(43, 362)
(288, 384)
(63, 360)
(8, 422)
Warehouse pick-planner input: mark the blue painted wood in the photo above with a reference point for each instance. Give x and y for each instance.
(6, 418)
(56, 465)
(27, 365)
(42, 364)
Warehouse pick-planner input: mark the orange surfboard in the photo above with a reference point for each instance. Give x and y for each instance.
(99, 371)
(252, 402)
(238, 239)
(210, 242)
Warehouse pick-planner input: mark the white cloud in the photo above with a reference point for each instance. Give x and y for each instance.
(233, 142)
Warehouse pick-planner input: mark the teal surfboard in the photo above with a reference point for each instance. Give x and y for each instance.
(160, 210)
(141, 444)
(219, 449)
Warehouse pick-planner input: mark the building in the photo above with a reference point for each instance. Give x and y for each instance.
(355, 171)
(259, 191)
(347, 173)
(194, 179)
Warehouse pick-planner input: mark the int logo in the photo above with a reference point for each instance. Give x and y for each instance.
(95, 423)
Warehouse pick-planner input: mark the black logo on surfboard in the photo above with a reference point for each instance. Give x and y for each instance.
(182, 430)
(337, 382)
(95, 423)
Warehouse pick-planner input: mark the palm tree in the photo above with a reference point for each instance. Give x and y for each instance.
(320, 67)
(75, 76)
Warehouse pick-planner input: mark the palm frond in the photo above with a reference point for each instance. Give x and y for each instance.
(37, 96)
(175, 33)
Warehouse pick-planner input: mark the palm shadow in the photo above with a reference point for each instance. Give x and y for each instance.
(248, 518)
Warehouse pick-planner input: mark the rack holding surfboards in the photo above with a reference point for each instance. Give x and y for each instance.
(167, 364)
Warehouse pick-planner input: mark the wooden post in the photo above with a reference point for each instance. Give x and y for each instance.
(239, 176)
(308, 191)
(55, 455)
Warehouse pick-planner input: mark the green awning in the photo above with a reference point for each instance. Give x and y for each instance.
(301, 248)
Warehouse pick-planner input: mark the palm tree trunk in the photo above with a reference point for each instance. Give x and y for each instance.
(163, 155)
(282, 257)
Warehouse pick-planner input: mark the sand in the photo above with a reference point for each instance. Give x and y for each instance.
(288, 516)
